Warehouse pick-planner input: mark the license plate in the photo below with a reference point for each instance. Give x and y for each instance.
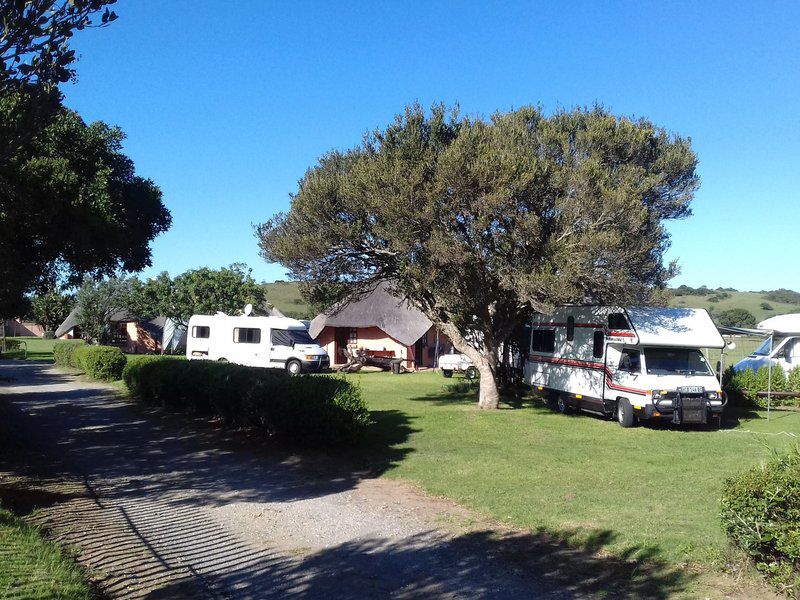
(691, 389)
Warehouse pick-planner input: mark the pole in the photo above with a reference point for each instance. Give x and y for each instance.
(769, 378)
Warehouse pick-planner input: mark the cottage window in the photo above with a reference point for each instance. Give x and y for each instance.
(424, 339)
(246, 335)
(352, 336)
(201, 331)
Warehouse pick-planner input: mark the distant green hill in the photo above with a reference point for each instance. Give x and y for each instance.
(750, 301)
(285, 296)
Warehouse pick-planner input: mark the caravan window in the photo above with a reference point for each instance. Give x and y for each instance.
(618, 321)
(543, 340)
(201, 331)
(246, 335)
(290, 337)
(570, 328)
(599, 341)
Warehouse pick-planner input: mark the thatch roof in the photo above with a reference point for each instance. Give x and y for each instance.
(71, 322)
(379, 308)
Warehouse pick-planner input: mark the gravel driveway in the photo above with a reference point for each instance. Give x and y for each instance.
(159, 507)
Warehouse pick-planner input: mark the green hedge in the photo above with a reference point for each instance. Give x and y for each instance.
(742, 387)
(100, 362)
(63, 352)
(311, 410)
(761, 515)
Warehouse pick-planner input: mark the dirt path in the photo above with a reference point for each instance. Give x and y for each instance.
(160, 507)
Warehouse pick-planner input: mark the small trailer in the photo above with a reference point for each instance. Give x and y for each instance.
(273, 342)
(632, 363)
(457, 363)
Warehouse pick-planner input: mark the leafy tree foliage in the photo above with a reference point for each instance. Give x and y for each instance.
(479, 222)
(198, 291)
(70, 203)
(783, 295)
(736, 317)
(98, 301)
(50, 309)
(34, 45)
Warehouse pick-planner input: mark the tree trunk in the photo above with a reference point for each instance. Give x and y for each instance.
(484, 360)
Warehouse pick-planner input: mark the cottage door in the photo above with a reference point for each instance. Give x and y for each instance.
(340, 340)
(419, 349)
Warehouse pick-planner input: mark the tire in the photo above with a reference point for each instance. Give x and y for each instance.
(293, 367)
(447, 373)
(471, 373)
(562, 406)
(625, 416)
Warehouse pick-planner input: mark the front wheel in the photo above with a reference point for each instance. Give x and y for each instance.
(471, 373)
(293, 367)
(562, 406)
(625, 415)
(447, 373)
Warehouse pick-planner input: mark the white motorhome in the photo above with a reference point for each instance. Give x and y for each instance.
(781, 347)
(632, 363)
(274, 342)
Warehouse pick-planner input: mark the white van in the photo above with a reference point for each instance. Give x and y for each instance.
(632, 363)
(274, 342)
(782, 348)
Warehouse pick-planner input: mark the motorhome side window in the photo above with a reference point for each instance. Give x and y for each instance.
(543, 340)
(570, 328)
(630, 361)
(290, 337)
(201, 331)
(618, 321)
(246, 335)
(598, 341)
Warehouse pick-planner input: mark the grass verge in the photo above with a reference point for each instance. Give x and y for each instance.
(32, 567)
(647, 491)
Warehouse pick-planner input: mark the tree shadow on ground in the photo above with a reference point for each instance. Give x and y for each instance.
(478, 564)
(141, 450)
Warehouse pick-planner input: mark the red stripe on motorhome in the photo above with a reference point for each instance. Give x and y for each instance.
(587, 365)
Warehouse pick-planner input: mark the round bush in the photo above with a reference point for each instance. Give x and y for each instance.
(761, 515)
(100, 362)
(63, 352)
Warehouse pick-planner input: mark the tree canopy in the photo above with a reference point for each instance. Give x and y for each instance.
(34, 43)
(51, 308)
(70, 204)
(735, 317)
(479, 222)
(198, 291)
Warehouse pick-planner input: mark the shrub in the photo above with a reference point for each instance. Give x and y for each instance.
(63, 352)
(48, 335)
(766, 306)
(100, 362)
(311, 410)
(742, 387)
(12, 346)
(761, 515)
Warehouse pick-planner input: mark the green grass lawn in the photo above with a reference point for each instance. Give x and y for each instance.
(647, 489)
(31, 567)
(38, 349)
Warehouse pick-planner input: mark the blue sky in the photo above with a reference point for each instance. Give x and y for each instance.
(227, 104)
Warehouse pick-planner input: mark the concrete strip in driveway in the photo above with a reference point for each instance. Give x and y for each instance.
(159, 508)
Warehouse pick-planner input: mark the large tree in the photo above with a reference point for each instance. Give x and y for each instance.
(71, 204)
(98, 301)
(51, 308)
(479, 222)
(198, 291)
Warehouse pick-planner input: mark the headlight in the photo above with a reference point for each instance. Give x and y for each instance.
(713, 395)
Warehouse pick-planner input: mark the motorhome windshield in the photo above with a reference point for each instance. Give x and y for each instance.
(675, 361)
(290, 337)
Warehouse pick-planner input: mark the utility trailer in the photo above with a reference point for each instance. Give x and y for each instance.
(633, 363)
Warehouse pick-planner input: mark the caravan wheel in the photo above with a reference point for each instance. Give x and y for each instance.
(562, 406)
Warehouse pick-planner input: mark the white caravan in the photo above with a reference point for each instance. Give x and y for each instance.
(781, 348)
(632, 363)
(275, 342)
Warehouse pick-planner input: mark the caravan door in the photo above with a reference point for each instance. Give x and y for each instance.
(249, 348)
